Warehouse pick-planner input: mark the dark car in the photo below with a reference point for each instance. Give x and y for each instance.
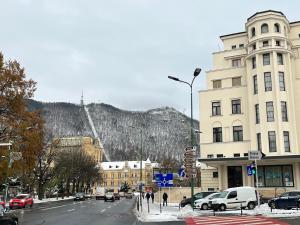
(79, 196)
(287, 200)
(199, 195)
(117, 196)
(7, 218)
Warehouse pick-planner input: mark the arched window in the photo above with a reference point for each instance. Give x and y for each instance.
(276, 28)
(253, 32)
(264, 28)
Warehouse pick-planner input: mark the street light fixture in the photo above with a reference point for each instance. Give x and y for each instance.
(141, 163)
(196, 73)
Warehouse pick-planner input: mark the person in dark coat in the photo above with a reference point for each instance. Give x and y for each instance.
(152, 197)
(165, 199)
(148, 197)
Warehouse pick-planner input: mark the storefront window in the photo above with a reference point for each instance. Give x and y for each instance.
(260, 176)
(275, 176)
(287, 176)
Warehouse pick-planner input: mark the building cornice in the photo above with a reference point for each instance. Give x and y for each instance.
(238, 34)
(223, 159)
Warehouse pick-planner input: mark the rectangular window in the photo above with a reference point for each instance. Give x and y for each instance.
(268, 81)
(275, 176)
(284, 112)
(281, 81)
(272, 141)
(258, 137)
(216, 108)
(257, 116)
(209, 156)
(286, 138)
(266, 59)
(265, 43)
(233, 47)
(255, 87)
(236, 81)
(241, 45)
(236, 106)
(217, 84)
(237, 133)
(270, 111)
(215, 175)
(277, 43)
(279, 59)
(217, 134)
(253, 46)
(236, 62)
(220, 155)
(253, 63)
(236, 155)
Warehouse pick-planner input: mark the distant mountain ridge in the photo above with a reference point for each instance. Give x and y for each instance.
(165, 131)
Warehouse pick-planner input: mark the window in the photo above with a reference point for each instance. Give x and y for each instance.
(237, 133)
(275, 176)
(217, 84)
(258, 138)
(236, 81)
(266, 59)
(220, 155)
(268, 81)
(265, 43)
(210, 189)
(253, 46)
(272, 141)
(217, 134)
(246, 154)
(236, 62)
(233, 47)
(257, 117)
(281, 81)
(284, 111)
(264, 28)
(209, 156)
(241, 45)
(236, 106)
(232, 194)
(236, 155)
(253, 63)
(276, 28)
(286, 138)
(216, 108)
(270, 111)
(255, 88)
(277, 43)
(279, 59)
(215, 175)
(253, 32)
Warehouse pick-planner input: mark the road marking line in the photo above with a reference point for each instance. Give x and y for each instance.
(54, 207)
(83, 206)
(109, 207)
(70, 210)
(102, 210)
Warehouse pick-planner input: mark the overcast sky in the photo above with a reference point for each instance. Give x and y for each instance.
(120, 52)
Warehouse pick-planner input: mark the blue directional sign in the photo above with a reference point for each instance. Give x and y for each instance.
(249, 170)
(181, 172)
(164, 180)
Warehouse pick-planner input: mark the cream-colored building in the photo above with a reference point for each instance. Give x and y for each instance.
(251, 104)
(114, 174)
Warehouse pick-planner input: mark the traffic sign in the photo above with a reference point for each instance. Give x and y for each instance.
(249, 171)
(164, 180)
(255, 155)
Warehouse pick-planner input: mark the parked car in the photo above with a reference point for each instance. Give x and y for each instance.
(7, 217)
(109, 196)
(2, 201)
(203, 202)
(199, 195)
(287, 200)
(79, 196)
(235, 198)
(88, 195)
(117, 196)
(128, 195)
(21, 201)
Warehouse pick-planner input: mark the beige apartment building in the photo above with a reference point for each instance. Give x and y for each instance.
(251, 103)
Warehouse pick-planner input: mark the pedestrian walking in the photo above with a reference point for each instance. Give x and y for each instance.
(148, 197)
(165, 199)
(152, 197)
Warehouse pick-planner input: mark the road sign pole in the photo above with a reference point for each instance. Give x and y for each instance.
(160, 199)
(256, 177)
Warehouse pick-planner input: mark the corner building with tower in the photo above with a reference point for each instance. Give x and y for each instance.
(252, 102)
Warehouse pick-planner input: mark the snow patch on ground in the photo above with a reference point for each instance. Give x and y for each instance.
(37, 201)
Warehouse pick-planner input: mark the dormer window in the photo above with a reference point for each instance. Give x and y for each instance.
(253, 32)
(276, 28)
(264, 28)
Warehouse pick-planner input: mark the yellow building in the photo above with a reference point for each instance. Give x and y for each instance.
(91, 146)
(251, 104)
(114, 174)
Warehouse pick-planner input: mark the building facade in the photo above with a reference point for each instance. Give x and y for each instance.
(114, 174)
(251, 104)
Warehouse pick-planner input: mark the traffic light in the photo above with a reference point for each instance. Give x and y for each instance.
(253, 168)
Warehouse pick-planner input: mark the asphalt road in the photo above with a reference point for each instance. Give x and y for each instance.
(88, 212)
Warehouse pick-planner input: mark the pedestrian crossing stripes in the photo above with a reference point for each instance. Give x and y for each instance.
(232, 220)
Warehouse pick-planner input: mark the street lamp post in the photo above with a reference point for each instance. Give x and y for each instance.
(141, 164)
(196, 73)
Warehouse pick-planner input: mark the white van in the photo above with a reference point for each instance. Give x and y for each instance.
(235, 198)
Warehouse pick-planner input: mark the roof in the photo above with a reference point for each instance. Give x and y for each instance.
(266, 11)
(232, 34)
(121, 164)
